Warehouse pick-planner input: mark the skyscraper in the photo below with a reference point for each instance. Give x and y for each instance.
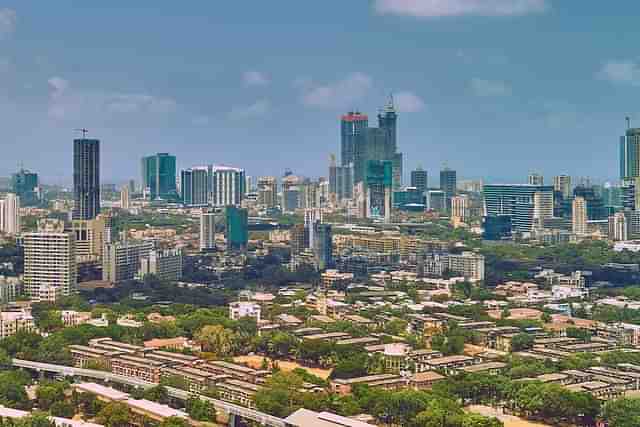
(562, 185)
(361, 143)
(237, 228)
(448, 184)
(159, 176)
(24, 184)
(579, 216)
(268, 191)
(525, 204)
(49, 261)
(352, 128)
(207, 230)
(420, 179)
(194, 186)
(10, 214)
(630, 154)
(459, 208)
(227, 186)
(86, 178)
(323, 246)
(125, 197)
(378, 183)
(340, 180)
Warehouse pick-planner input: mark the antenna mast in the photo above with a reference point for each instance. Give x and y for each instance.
(628, 122)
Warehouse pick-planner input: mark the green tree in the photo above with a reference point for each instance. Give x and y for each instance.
(62, 409)
(216, 339)
(49, 393)
(115, 414)
(174, 422)
(200, 410)
(522, 342)
(623, 412)
(278, 396)
(35, 419)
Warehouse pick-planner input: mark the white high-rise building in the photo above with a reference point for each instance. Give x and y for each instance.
(10, 214)
(207, 230)
(311, 218)
(49, 261)
(125, 197)
(618, 228)
(579, 216)
(562, 184)
(542, 206)
(227, 186)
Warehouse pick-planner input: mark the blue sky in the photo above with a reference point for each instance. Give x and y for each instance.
(494, 88)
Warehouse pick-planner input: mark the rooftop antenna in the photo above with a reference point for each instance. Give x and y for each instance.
(83, 130)
(628, 122)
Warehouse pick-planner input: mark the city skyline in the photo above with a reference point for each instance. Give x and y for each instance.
(460, 98)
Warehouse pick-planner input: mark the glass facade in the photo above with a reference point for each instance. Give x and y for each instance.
(159, 176)
(237, 228)
(86, 178)
(23, 184)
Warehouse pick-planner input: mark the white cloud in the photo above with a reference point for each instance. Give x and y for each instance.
(66, 102)
(621, 72)
(408, 102)
(255, 78)
(257, 109)
(481, 87)
(7, 22)
(339, 94)
(440, 8)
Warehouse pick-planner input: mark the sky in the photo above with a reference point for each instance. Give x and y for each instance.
(492, 88)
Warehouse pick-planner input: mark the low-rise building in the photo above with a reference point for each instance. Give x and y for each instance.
(12, 322)
(137, 367)
(240, 309)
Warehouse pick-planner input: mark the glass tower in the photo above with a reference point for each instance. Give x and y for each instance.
(86, 178)
(237, 228)
(159, 175)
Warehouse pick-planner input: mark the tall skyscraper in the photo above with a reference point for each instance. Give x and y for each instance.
(562, 185)
(159, 176)
(352, 128)
(86, 178)
(420, 179)
(237, 228)
(524, 204)
(630, 154)
(125, 197)
(448, 184)
(207, 230)
(227, 186)
(378, 184)
(360, 143)
(311, 218)
(10, 214)
(340, 180)
(268, 191)
(323, 246)
(24, 184)
(49, 261)
(579, 216)
(194, 186)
